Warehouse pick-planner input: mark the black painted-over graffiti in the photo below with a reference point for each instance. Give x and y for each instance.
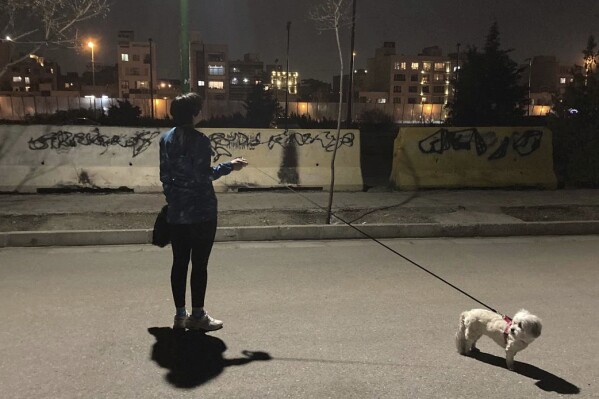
(224, 144)
(443, 140)
(64, 140)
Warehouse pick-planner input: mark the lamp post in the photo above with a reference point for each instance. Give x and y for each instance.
(287, 80)
(351, 67)
(91, 45)
(184, 44)
(151, 78)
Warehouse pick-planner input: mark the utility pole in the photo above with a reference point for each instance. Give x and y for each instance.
(350, 95)
(151, 79)
(184, 44)
(457, 74)
(287, 80)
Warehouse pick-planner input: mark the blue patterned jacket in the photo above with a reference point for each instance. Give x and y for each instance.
(186, 175)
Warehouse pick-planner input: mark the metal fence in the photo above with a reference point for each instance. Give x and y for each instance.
(21, 107)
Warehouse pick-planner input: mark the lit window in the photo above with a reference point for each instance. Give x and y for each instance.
(234, 81)
(381, 100)
(17, 79)
(216, 70)
(562, 81)
(423, 100)
(27, 80)
(216, 84)
(124, 57)
(426, 66)
(439, 66)
(201, 83)
(414, 66)
(141, 84)
(425, 79)
(246, 80)
(403, 65)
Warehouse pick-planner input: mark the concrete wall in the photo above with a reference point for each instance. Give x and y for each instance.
(39, 156)
(473, 157)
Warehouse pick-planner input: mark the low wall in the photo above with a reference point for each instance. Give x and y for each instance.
(39, 156)
(473, 157)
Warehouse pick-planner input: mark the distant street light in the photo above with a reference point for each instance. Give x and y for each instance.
(91, 45)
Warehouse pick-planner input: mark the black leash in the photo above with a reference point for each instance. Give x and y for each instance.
(382, 244)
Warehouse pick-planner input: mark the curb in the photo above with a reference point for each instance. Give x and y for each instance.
(304, 232)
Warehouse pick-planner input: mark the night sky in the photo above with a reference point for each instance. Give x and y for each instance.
(530, 27)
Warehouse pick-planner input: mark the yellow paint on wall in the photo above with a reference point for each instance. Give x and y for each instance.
(453, 157)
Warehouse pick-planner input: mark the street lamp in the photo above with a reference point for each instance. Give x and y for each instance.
(91, 45)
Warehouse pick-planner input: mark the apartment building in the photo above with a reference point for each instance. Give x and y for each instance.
(244, 75)
(408, 79)
(136, 61)
(208, 69)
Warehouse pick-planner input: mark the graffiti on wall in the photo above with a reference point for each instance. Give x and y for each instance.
(225, 144)
(443, 140)
(62, 141)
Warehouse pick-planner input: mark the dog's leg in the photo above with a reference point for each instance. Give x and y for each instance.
(511, 349)
(471, 339)
(509, 359)
(460, 337)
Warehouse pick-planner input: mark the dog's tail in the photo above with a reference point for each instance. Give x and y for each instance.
(460, 336)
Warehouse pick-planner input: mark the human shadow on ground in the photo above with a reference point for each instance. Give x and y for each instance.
(545, 380)
(192, 357)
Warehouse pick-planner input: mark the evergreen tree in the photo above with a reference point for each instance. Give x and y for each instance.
(487, 90)
(261, 107)
(123, 114)
(575, 124)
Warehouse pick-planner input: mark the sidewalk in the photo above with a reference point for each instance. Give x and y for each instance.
(91, 219)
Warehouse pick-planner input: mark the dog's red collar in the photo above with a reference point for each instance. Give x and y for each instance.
(506, 330)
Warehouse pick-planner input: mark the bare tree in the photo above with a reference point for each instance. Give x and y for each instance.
(333, 15)
(33, 25)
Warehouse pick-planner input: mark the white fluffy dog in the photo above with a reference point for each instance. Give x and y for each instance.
(514, 335)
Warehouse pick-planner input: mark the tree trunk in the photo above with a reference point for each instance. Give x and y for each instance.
(332, 185)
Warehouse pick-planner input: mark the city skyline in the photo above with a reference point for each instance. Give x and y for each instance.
(259, 26)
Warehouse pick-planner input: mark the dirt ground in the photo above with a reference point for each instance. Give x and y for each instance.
(117, 221)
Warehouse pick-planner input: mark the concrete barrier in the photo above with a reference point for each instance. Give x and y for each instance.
(52, 157)
(473, 157)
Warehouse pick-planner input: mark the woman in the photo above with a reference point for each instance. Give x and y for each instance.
(186, 175)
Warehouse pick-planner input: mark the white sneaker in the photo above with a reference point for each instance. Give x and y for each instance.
(204, 323)
(180, 321)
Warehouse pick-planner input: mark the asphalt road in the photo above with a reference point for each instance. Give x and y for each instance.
(335, 319)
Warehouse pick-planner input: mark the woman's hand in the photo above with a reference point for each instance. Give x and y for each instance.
(239, 163)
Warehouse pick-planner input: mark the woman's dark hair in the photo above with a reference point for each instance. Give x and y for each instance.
(185, 107)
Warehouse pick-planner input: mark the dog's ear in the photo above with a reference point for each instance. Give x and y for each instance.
(535, 329)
